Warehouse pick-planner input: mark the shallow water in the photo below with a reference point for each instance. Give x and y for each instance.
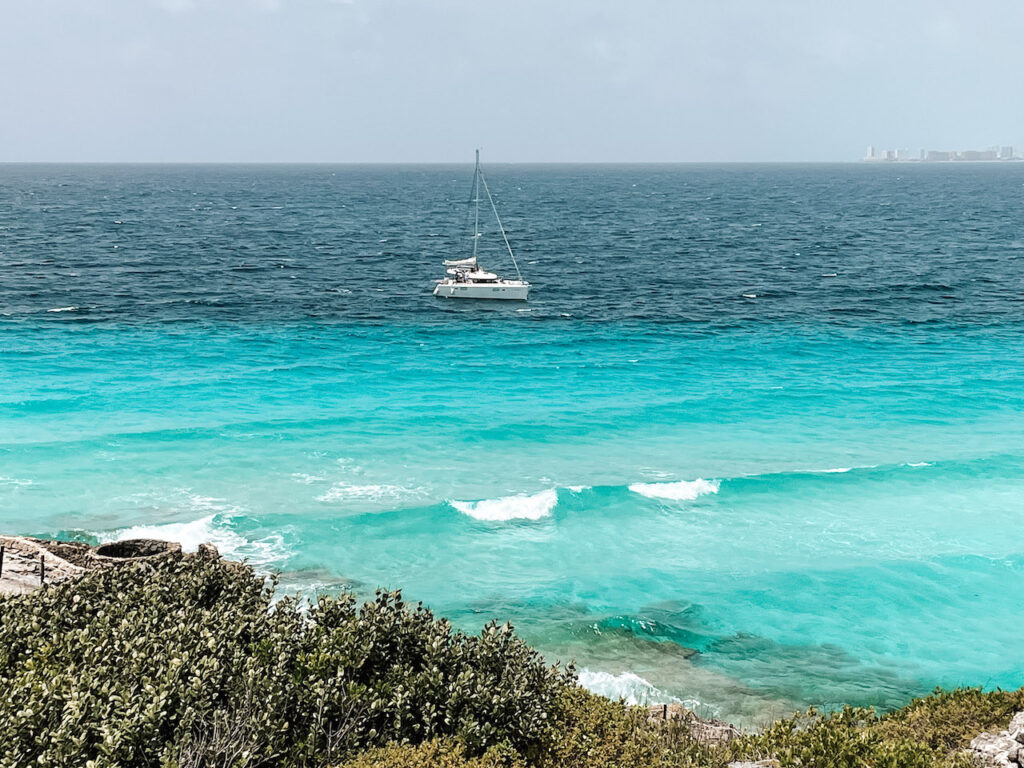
(755, 442)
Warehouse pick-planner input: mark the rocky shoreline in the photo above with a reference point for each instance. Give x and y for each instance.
(28, 564)
(1004, 749)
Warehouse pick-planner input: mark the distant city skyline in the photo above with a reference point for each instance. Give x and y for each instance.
(573, 81)
(1000, 153)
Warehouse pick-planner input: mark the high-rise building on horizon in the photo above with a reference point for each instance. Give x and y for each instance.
(991, 154)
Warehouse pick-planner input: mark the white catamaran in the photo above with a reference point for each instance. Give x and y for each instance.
(466, 279)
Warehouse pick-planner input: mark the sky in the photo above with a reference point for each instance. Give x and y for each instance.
(525, 80)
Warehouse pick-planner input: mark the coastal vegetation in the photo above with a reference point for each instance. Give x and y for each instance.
(194, 661)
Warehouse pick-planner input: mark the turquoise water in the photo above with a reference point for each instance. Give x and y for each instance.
(756, 442)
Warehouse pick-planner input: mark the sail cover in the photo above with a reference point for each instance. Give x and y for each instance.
(470, 262)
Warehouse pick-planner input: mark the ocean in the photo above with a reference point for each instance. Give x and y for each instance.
(755, 443)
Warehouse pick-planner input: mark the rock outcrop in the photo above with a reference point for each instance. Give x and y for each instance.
(1004, 749)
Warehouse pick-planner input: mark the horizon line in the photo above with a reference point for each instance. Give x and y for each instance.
(430, 162)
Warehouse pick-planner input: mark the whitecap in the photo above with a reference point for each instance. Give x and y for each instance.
(919, 464)
(830, 274)
(579, 488)
(302, 477)
(63, 309)
(749, 295)
(519, 507)
(835, 470)
(683, 490)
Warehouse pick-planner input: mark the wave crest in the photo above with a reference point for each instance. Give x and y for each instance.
(519, 507)
(683, 490)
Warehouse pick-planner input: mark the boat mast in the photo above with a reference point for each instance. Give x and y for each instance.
(476, 197)
(498, 219)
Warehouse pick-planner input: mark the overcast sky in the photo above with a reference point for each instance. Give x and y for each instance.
(526, 80)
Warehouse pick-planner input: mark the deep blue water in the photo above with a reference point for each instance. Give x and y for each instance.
(756, 441)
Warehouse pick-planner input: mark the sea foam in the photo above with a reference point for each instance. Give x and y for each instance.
(15, 481)
(519, 507)
(206, 529)
(683, 490)
(632, 688)
(365, 492)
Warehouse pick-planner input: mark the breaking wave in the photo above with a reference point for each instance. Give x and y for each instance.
(519, 507)
(190, 535)
(207, 530)
(683, 490)
(631, 688)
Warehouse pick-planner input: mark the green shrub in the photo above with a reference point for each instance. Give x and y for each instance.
(593, 732)
(851, 737)
(190, 663)
(948, 720)
(930, 732)
(589, 732)
(436, 753)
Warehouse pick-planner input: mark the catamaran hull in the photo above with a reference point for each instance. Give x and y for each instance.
(501, 291)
